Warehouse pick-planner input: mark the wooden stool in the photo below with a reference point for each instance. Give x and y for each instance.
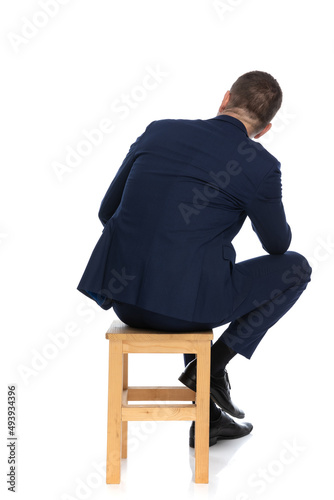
(124, 340)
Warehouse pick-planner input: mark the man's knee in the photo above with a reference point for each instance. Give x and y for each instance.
(298, 269)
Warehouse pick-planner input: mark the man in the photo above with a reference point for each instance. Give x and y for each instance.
(165, 258)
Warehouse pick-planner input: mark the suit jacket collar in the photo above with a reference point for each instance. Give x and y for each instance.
(233, 121)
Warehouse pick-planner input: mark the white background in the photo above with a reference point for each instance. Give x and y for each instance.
(66, 71)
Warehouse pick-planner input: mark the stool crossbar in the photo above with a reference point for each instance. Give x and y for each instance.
(124, 340)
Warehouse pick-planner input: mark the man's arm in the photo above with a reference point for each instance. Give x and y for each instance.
(113, 196)
(267, 215)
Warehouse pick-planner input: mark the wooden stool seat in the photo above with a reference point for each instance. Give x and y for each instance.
(124, 340)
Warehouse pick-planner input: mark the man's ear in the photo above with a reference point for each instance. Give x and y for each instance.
(224, 101)
(264, 131)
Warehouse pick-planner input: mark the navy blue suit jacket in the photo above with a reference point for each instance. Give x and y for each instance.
(181, 195)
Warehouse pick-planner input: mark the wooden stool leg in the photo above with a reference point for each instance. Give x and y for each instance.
(115, 387)
(202, 423)
(125, 424)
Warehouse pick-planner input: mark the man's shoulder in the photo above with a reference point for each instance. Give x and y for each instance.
(259, 152)
(247, 147)
(174, 128)
(173, 122)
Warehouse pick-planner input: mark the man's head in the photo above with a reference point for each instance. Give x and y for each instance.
(254, 98)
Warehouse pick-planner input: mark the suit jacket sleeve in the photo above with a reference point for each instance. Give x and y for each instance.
(267, 215)
(113, 196)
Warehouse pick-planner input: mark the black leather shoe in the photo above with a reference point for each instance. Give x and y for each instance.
(219, 389)
(222, 428)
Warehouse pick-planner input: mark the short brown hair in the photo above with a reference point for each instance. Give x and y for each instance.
(259, 94)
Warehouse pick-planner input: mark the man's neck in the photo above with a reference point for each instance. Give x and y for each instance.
(240, 117)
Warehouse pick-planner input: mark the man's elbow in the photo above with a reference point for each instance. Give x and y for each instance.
(280, 246)
(277, 249)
